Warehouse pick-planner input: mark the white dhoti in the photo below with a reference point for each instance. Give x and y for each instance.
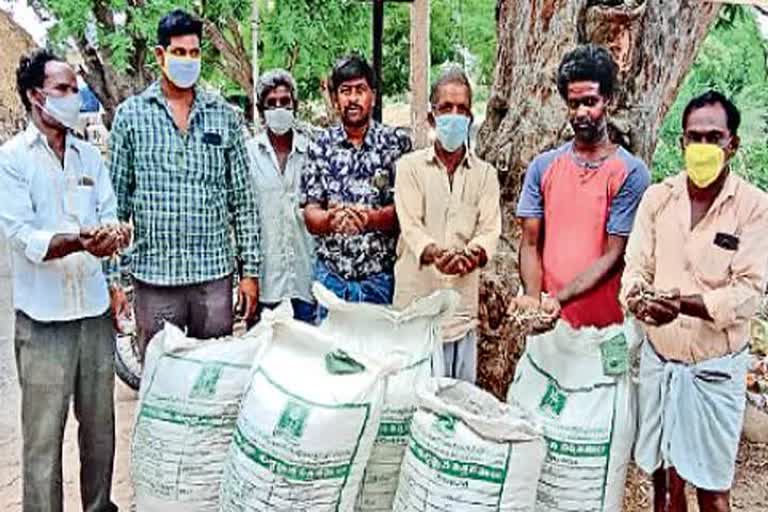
(691, 417)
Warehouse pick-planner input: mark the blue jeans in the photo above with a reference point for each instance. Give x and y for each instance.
(374, 289)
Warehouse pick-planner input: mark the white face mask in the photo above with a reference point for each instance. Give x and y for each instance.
(64, 109)
(183, 72)
(279, 120)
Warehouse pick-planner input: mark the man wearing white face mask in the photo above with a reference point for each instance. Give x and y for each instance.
(180, 171)
(447, 202)
(56, 195)
(278, 158)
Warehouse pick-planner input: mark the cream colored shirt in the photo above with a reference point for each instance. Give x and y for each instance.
(432, 210)
(664, 252)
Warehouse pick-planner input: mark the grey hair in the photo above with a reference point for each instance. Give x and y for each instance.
(271, 80)
(449, 75)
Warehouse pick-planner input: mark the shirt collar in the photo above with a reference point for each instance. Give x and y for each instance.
(339, 135)
(680, 188)
(32, 135)
(300, 141)
(467, 162)
(155, 93)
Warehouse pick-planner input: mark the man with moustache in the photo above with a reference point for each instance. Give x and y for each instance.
(696, 273)
(578, 203)
(348, 191)
(58, 214)
(180, 170)
(577, 208)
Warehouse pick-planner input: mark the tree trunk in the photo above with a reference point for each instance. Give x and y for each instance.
(234, 60)
(654, 43)
(109, 86)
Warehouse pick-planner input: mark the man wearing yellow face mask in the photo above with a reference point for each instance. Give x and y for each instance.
(696, 270)
(180, 171)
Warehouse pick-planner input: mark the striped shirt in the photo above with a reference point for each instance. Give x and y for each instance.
(184, 191)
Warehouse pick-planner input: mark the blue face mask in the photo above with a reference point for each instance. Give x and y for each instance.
(182, 71)
(452, 131)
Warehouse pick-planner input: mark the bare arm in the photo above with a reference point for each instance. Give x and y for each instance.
(693, 305)
(597, 272)
(62, 245)
(531, 268)
(318, 220)
(382, 219)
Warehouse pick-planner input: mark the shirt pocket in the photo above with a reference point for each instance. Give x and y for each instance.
(207, 161)
(712, 267)
(462, 222)
(80, 204)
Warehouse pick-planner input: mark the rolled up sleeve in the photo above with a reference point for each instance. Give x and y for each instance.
(740, 299)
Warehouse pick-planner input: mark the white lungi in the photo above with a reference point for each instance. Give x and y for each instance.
(691, 417)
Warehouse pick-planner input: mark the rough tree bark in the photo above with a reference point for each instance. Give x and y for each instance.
(653, 41)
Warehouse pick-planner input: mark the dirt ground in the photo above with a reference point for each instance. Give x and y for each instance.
(10, 468)
(750, 492)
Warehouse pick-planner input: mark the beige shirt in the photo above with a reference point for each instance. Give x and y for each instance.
(665, 253)
(431, 210)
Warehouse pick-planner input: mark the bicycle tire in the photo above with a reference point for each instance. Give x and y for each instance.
(127, 366)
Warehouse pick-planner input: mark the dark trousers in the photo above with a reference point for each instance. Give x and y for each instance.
(59, 362)
(204, 310)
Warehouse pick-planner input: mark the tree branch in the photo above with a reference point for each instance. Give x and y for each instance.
(235, 57)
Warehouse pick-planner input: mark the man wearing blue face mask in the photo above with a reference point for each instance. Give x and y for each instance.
(180, 171)
(278, 159)
(447, 202)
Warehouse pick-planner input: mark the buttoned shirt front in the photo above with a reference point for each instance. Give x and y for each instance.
(724, 258)
(287, 248)
(342, 174)
(185, 191)
(42, 198)
(452, 215)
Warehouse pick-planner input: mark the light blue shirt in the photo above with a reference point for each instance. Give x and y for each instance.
(42, 198)
(287, 248)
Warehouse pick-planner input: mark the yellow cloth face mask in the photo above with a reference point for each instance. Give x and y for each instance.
(704, 163)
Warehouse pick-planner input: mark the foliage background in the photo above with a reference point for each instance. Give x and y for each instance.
(733, 60)
(304, 36)
(307, 36)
